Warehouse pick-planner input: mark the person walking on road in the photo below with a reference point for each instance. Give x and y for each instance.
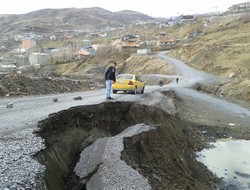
(177, 80)
(110, 78)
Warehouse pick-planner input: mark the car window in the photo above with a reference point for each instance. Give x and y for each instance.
(124, 76)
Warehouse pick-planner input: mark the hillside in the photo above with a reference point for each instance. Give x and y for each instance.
(81, 75)
(223, 49)
(48, 20)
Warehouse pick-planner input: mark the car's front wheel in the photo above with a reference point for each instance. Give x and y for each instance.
(114, 91)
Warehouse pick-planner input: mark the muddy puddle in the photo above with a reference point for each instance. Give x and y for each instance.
(229, 160)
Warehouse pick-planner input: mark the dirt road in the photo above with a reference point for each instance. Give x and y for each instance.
(205, 108)
(27, 111)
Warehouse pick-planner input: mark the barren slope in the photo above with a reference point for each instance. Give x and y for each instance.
(223, 49)
(50, 20)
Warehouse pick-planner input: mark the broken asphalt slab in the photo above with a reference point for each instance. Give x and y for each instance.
(103, 158)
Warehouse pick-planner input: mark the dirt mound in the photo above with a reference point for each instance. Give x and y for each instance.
(15, 85)
(164, 155)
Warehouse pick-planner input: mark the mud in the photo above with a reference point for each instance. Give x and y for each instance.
(166, 155)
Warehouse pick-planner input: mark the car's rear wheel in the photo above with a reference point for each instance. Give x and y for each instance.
(142, 91)
(114, 91)
(135, 90)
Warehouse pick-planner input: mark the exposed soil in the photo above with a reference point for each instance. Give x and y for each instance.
(15, 85)
(166, 156)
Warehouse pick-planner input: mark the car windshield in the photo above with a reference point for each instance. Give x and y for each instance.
(130, 77)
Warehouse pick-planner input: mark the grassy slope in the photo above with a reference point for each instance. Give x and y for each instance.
(223, 49)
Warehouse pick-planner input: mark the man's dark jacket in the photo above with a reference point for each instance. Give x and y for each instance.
(110, 73)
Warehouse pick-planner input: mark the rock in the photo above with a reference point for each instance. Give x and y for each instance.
(9, 105)
(13, 187)
(55, 99)
(203, 132)
(77, 98)
(157, 177)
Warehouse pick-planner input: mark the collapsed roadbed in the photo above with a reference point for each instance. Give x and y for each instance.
(121, 144)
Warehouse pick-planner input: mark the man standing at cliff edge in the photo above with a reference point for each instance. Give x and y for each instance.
(110, 78)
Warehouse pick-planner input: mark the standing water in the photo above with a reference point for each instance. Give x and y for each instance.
(229, 160)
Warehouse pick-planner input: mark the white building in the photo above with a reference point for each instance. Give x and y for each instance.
(7, 69)
(38, 59)
(143, 51)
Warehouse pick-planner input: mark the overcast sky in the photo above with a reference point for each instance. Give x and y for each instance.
(155, 8)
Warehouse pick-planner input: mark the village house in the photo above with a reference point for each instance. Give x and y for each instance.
(4, 69)
(38, 59)
(53, 38)
(28, 43)
(188, 18)
(85, 51)
(164, 41)
(127, 41)
(239, 8)
(145, 51)
(130, 44)
(128, 38)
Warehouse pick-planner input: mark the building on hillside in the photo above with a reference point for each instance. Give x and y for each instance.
(28, 43)
(128, 38)
(145, 51)
(85, 51)
(38, 59)
(239, 8)
(48, 50)
(130, 45)
(128, 41)
(187, 18)
(5, 69)
(165, 42)
(150, 41)
(53, 38)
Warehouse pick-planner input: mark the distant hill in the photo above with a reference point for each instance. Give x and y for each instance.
(48, 20)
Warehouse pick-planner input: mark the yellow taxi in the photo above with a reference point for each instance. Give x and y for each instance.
(128, 83)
